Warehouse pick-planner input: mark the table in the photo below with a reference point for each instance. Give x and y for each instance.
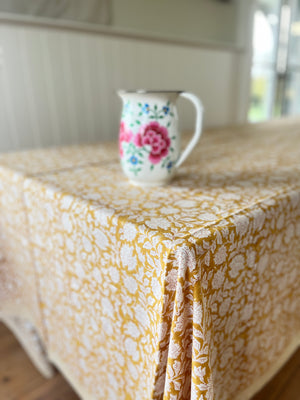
(188, 291)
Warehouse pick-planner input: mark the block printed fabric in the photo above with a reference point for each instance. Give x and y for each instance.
(188, 291)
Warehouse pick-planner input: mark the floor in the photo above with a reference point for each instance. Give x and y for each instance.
(19, 380)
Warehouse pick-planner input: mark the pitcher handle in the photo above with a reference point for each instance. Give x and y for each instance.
(198, 130)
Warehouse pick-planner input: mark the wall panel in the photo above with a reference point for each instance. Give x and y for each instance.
(58, 86)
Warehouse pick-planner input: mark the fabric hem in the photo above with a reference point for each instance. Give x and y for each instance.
(276, 366)
(64, 370)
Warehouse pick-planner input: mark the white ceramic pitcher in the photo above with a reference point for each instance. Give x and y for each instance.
(149, 139)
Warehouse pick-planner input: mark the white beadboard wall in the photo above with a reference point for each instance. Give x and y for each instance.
(58, 86)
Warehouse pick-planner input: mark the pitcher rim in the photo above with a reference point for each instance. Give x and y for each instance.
(144, 91)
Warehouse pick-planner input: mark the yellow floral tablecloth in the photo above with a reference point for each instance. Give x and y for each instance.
(189, 291)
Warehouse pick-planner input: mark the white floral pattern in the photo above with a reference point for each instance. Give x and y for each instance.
(186, 292)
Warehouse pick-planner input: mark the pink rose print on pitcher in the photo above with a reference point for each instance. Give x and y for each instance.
(149, 137)
(125, 136)
(157, 137)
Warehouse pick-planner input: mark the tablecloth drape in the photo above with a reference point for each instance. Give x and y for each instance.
(188, 291)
